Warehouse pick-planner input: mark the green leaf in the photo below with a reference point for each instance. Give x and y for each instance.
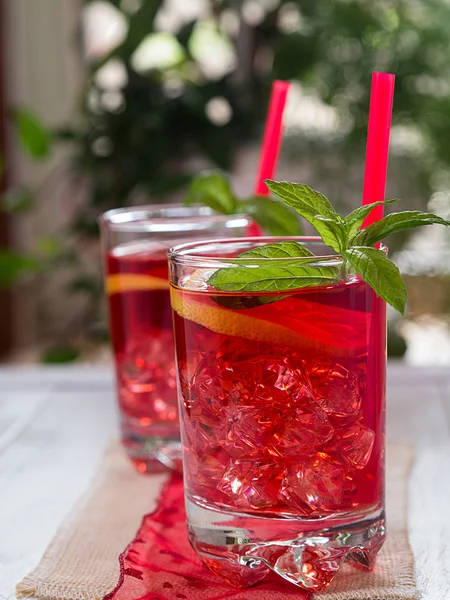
(17, 200)
(85, 285)
(50, 247)
(268, 276)
(273, 216)
(315, 208)
(380, 273)
(13, 265)
(60, 354)
(213, 190)
(301, 197)
(282, 250)
(34, 138)
(355, 219)
(394, 223)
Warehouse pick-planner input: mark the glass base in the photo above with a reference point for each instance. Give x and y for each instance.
(152, 449)
(244, 549)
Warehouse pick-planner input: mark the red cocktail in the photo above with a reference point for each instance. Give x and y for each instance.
(142, 339)
(136, 242)
(282, 410)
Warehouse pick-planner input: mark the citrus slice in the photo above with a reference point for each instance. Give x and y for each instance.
(228, 322)
(330, 335)
(134, 282)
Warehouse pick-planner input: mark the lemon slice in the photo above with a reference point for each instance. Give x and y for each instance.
(133, 282)
(228, 322)
(318, 334)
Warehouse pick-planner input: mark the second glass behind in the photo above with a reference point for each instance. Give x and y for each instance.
(135, 244)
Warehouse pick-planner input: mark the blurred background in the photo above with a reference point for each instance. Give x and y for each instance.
(106, 103)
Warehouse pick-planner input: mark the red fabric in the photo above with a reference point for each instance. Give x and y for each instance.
(161, 565)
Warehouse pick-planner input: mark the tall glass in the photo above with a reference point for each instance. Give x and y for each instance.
(135, 244)
(282, 402)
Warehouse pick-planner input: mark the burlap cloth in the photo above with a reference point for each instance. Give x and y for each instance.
(82, 560)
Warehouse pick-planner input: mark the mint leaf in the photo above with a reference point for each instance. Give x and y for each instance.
(380, 273)
(301, 196)
(282, 250)
(355, 219)
(268, 276)
(394, 223)
(315, 208)
(272, 215)
(213, 190)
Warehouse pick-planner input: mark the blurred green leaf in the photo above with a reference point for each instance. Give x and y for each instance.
(17, 200)
(213, 190)
(49, 246)
(60, 354)
(13, 265)
(396, 344)
(273, 216)
(34, 138)
(86, 284)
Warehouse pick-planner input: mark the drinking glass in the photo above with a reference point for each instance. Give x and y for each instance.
(135, 244)
(282, 404)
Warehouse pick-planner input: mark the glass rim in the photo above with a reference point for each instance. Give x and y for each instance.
(181, 254)
(154, 218)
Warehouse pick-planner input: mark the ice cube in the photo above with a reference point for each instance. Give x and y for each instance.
(208, 394)
(148, 363)
(355, 445)
(248, 431)
(314, 486)
(338, 389)
(305, 432)
(205, 471)
(252, 483)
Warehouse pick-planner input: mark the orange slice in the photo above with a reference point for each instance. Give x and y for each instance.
(133, 282)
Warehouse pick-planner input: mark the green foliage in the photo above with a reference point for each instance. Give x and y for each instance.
(273, 216)
(17, 199)
(394, 223)
(272, 277)
(60, 354)
(287, 249)
(380, 273)
(139, 147)
(214, 190)
(372, 264)
(355, 219)
(34, 138)
(14, 264)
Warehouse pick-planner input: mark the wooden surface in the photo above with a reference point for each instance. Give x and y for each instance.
(56, 422)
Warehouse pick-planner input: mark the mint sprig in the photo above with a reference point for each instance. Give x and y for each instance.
(214, 190)
(342, 234)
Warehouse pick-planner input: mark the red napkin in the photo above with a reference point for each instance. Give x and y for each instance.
(161, 565)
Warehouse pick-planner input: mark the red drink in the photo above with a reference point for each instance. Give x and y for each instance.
(135, 242)
(282, 411)
(299, 409)
(142, 339)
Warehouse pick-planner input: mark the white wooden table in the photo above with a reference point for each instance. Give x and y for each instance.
(56, 422)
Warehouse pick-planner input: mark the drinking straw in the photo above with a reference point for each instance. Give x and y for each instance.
(270, 150)
(377, 152)
(272, 136)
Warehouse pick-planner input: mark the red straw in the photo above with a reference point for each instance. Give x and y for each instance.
(380, 114)
(272, 136)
